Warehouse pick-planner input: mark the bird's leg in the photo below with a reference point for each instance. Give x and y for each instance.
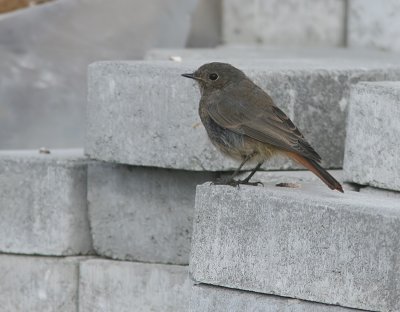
(230, 180)
(246, 181)
(235, 173)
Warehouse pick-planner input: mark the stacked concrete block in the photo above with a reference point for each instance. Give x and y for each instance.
(290, 22)
(142, 214)
(374, 24)
(32, 283)
(310, 243)
(205, 298)
(157, 108)
(43, 203)
(110, 286)
(372, 142)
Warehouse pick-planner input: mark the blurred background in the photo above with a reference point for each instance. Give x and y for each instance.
(46, 46)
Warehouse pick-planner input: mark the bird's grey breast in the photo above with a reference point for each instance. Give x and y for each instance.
(227, 140)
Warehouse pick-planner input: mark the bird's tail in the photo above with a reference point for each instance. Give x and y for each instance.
(316, 168)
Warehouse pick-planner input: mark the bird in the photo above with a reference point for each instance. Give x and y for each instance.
(243, 122)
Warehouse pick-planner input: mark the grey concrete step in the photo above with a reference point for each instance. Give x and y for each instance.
(43, 203)
(309, 243)
(33, 283)
(206, 298)
(372, 141)
(142, 214)
(116, 286)
(154, 110)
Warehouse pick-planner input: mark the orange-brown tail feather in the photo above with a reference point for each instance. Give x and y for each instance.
(314, 167)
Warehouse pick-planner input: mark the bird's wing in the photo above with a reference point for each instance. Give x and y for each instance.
(254, 114)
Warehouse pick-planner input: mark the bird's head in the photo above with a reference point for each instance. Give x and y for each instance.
(216, 75)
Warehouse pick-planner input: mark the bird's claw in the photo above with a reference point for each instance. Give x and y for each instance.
(237, 183)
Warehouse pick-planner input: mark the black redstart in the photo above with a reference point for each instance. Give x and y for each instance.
(243, 122)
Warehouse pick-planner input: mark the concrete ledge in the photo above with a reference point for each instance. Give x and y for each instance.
(313, 55)
(372, 141)
(143, 214)
(116, 286)
(43, 203)
(39, 283)
(309, 243)
(205, 298)
(379, 192)
(154, 108)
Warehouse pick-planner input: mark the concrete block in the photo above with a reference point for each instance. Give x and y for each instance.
(374, 24)
(43, 203)
(290, 22)
(310, 243)
(205, 298)
(372, 141)
(143, 214)
(116, 286)
(154, 108)
(31, 283)
(44, 53)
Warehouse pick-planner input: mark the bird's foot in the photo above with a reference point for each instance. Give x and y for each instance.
(232, 182)
(246, 182)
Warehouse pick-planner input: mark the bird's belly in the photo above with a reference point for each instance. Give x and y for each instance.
(236, 145)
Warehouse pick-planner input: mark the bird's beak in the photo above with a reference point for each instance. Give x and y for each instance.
(191, 76)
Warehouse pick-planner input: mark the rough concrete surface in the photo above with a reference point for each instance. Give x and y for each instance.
(43, 203)
(42, 284)
(148, 104)
(289, 22)
(116, 286)
(372, 141)
(310, 243)
(143, 214)
(374, 24)
(45, 50)
(205, 298)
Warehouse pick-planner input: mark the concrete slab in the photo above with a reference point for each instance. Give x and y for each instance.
(143, 214)
(116, 286)
(45, 51)
(154, 108)
(310, 243)
(206, 298)
(30, 283)
(290, 22)
(372, 140)
(43, 203)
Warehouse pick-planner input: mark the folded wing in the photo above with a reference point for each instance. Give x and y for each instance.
(254, 114)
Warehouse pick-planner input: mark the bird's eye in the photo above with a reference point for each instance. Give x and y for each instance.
(213, 76)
